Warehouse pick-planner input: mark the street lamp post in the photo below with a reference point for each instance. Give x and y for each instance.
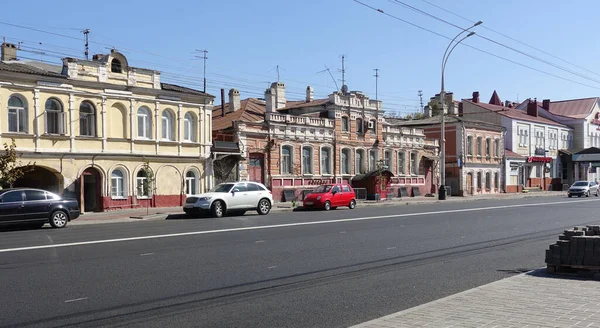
(449, 49)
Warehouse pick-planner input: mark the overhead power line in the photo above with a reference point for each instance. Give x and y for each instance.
(398, 2)
(475, 48)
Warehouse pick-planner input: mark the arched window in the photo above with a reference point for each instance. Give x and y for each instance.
(345, 161)
(189, 127)
(117, 183)
(401, 162)
(479, 183)
(286, 159)
(87, 119)
(115, 66)
(54, 117)
(17, 114)
(307, 160)
(488, 180)
(142, 184)
(414, 163)
(191, 183)
(167, 126)
(373, 158)
(360, 161)
(326, 160)
(497, 181)
(144, 123)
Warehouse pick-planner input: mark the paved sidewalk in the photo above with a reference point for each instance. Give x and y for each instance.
(160, 213)
(532, 300)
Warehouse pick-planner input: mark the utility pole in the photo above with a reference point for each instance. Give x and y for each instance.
(204, 57)
(376, 101)
(343, 71)
(421, 98)
(277, 73)
(86, 33)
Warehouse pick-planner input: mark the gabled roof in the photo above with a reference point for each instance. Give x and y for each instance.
(301, 104)
(251, 110)
(514, 113)
(575, 108)
(495, 100)
(17, 67)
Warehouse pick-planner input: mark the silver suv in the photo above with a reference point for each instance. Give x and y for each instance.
(231, 197)
(583, 188)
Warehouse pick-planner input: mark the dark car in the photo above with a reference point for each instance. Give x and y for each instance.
(36, 207)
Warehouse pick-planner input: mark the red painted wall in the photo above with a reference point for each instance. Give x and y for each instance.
(158, 201)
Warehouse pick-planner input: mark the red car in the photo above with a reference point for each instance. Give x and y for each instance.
(331, 196)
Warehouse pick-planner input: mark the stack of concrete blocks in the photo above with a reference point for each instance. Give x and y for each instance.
(576, 248)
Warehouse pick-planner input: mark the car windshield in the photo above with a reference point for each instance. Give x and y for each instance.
(580, 184)
(322, 189)
(223, 187)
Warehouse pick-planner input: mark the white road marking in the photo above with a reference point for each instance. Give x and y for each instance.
(284, 225)
(342, 231)
(390, 248)
(259, 241)
(146, 254)
(272, 267)
(76, 300)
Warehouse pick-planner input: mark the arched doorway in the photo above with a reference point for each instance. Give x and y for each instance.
(90, 190)
(42, 178)
(469, 183)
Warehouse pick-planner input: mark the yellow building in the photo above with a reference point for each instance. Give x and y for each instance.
(90, 125)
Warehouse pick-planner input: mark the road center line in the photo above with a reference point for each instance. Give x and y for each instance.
(206, 232)
(77, 299)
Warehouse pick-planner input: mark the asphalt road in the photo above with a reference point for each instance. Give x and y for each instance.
(301, 269)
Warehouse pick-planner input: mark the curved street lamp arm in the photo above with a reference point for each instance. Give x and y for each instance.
(457, 43)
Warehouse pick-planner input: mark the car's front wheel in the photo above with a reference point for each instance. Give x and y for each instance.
(264, 207)
(327, 206)
(587, 194)
(218, 209)
(59, 219)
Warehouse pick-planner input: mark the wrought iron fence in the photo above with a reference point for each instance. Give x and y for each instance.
(360, 193)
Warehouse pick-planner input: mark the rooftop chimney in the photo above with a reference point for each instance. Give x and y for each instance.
(475, 97)
(234, 100)
(9, 51)
(310, 94)
(270, 100)
(279, 88)
(532, 108)
(546, 104)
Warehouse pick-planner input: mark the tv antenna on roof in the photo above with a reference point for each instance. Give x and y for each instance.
(332, 78)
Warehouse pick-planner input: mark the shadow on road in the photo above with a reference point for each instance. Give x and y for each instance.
(22, 227)
(514, 271)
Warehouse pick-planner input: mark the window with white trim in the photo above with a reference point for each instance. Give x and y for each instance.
(286, 159)
(142, 187)
(373, 159)
(414, 164)
(17, 115)
(359, 161)
(345, 161)
(360, 126)
(189, 127)
(387, 159)
(345, 124)
(470, 145)
(479, 146)
(54, 117)
(307, 160)
(497, 148)
(401, 169)
(168, 132)
(117, 183)
(488, 147)
(191, 182)
(326, 160)
(87, 119)
(488, 180)
(144, 120)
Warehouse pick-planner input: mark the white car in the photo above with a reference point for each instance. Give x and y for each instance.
(583, 188)
(231, 197)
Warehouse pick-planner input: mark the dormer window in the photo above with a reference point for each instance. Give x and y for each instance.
(115, 66)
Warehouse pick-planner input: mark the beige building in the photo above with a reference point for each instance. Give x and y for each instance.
(90, 125)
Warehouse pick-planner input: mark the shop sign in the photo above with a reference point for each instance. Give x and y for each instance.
(539, 159)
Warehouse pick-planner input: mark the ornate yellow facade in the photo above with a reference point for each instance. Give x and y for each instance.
(90, 125)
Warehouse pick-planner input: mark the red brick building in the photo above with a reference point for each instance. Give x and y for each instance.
(292, 146)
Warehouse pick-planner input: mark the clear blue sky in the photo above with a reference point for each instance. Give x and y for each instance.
(247, 39)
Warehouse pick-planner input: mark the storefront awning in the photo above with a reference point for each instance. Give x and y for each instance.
(591, 154)
(222, 149)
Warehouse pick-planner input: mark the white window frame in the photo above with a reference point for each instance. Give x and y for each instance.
(388, 161)
(328, 160)
(56, 114)
(347, 153)
(488, 147)
(479, 146)
(89, 118)
(191, 183)
(167, 131)
(414, 163)
(20, 114)
(145, 115)
(360, 168)
(140, 181)
(189, 127)
(470, 145)
(308, 169)
(115, 192)
(401, 168)
(286, 162)
(345, 127)
(373, 166)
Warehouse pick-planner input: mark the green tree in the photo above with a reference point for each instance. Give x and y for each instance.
(418, 116)
(11, 168)
(148, 186)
